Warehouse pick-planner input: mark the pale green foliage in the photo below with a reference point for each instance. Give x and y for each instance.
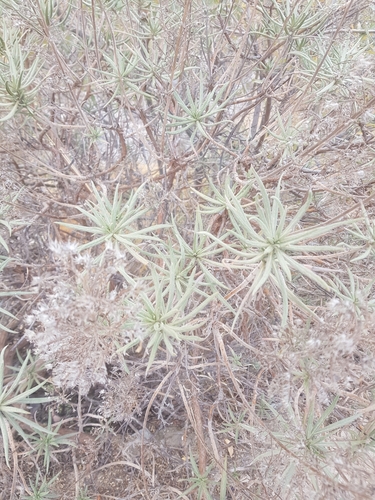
(309, 437)
(83, 495)
(7, 225)
(168, 317)
(32, 372)
(218, 201)
(318, 438)
(113, 223)
(40, 489)
(200, 483)
(8, 293)
(288, 135)
(121, 77)
(336, 73)
(291, 19)
(354, 293)
(198, 255)
(366, 236)
(6, 220)
(237, 424)
(18, 86)
(272, 246)
(12, 398)
(3, 264)
(43, 443)
(197, 111)
(189, 126)
(50, 10)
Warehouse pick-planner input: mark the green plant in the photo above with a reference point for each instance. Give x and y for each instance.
(200, 482)
(165, 316)
(366, 236)
(83, 495)
(40, 489)
(3, 263)
(289, 18)
(121, 73)
(273, 247)
(8, 222)
(363, 437)
(335, 73)
(237, 424)
(7, 202)
(307, 438)
(8, 293)
(318, 436)
(113, 223)
(45, 442)
(225, 114)
(8, 226)
(17, 78)
(288, 134)
(354, 293)
(12, 415)
(32, 374)
(218, 200)
(198, 254)
(198, 111)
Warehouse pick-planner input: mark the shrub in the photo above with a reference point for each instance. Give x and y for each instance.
(186, 227)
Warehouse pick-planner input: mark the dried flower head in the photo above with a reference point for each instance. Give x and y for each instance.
(122, 398)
